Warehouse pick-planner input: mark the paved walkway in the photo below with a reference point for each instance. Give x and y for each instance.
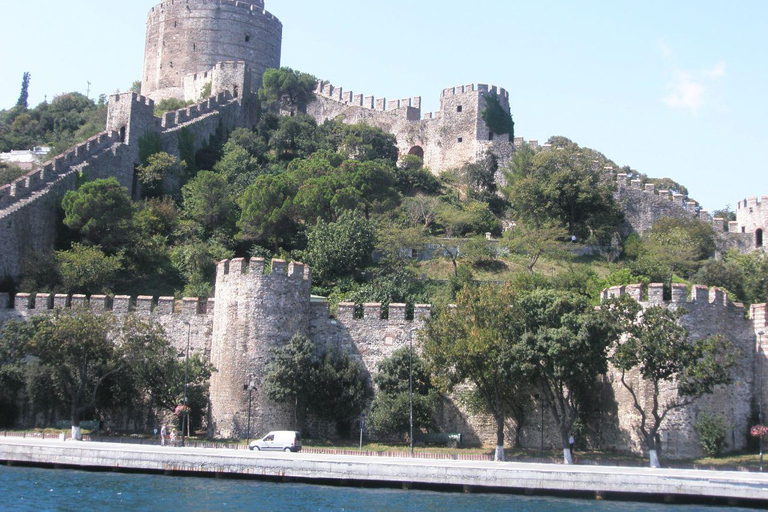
(395, 471)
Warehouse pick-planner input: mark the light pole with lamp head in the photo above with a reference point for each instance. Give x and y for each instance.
(760, 356)
(249, 387)
(185, 418)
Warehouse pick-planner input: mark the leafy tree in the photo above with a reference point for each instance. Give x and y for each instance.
(9, 173)
(724, 274)
(474, 342)
(754, 267)
(23, 100)
(160, 174)
(101, 211)
(287, 377)
(267, 209)
(339, 248)
(208, 202)
(286, 89)
(83, 349)
(390, 410)
(326, 384)
(339, 392)
(653, 344)
(294, 137)
(412, 177)
(712, 431)
(534, 242)
(364, 143)
(86, 269)
(196, 261)
(565, 346)
(422, 210)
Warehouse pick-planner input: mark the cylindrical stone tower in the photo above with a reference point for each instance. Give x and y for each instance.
(185, 37)
(253, 313)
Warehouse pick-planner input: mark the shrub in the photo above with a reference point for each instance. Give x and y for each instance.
(712, 430)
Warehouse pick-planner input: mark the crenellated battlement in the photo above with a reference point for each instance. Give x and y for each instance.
(653, 294)
(50, 171)
(237, 268)
(32, 303)
(177, 118)
(470, 88)
(328, 90)
(376, 312)
(254, 7)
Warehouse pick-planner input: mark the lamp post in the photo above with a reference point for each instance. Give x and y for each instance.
(760, 357)
(249, 387)
(185, 418)
(410, 384)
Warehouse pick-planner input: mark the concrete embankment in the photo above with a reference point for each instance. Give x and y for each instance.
(596, 481)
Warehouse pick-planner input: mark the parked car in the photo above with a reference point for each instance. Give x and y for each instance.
(278, 440)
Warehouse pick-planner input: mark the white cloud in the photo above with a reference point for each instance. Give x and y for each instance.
(688, 89)
(684, 93)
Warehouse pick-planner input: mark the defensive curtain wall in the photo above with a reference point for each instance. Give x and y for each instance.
(258, 308)
(189, 37)
(447, 139)
(29, 205)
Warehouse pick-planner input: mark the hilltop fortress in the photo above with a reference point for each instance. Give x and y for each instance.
(224, 46)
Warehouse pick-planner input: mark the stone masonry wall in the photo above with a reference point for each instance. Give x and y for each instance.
(708, 312)
(751, 222)
(447, 139)
(192, 36)
(255, 311)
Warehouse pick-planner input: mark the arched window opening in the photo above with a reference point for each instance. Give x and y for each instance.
(759, 238)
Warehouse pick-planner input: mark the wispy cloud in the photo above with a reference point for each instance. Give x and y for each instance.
(688, 89)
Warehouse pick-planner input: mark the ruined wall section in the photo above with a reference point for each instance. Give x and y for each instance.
(189, 317)
(643, 205)
(708, 312)
(255, 311)
(191, 36)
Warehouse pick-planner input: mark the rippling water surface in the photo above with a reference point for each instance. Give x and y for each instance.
(34, 489)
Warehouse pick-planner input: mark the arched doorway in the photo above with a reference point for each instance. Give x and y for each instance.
(759, 238)
(417, 151)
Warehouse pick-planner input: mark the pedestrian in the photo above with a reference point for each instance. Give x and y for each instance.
(163, 433)
(571, 442)
(173, 437)
(573, 239)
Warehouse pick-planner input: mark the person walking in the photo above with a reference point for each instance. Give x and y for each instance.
(173, 437)
(163, 433)
(571, 442)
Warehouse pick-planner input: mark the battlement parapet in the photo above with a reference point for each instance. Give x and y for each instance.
(653, 294)
(118, 304)
(255, 7)
(40, 178)
(470, 88)
(133, 97)
(375, 311)
(328, 90)
(228, 270)
(177, 118)
(752, 202)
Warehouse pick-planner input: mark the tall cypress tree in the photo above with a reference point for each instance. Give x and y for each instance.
(24, 96)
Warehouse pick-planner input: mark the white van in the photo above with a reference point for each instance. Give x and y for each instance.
(278, 440)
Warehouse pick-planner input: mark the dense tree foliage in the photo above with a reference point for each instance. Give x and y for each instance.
(286, 89)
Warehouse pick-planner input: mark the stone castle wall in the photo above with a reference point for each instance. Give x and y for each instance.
(447, 139)
(708, 312)
(187, 37)
(29, 205)
(257, 309)
(751, 222)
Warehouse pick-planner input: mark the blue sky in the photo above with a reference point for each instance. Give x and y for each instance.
(673, 89)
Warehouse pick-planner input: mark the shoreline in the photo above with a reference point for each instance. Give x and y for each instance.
(596, 482)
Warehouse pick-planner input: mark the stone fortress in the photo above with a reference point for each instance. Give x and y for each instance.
(223, 46)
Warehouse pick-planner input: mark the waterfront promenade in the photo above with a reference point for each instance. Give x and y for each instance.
(598, 481)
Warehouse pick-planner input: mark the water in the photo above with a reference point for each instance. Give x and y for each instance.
(41, 490)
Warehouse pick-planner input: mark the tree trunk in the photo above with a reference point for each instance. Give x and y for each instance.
(499, 453)
(650, 441)
(77, 433)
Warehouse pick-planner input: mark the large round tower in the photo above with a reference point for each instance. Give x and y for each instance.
(254, 312)
(185, 37)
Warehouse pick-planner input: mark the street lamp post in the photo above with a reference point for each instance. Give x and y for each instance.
(185, 418)
(249, 387)
(760, 356)
(410, 384)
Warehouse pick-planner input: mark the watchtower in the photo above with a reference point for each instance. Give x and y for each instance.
(185, 37)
